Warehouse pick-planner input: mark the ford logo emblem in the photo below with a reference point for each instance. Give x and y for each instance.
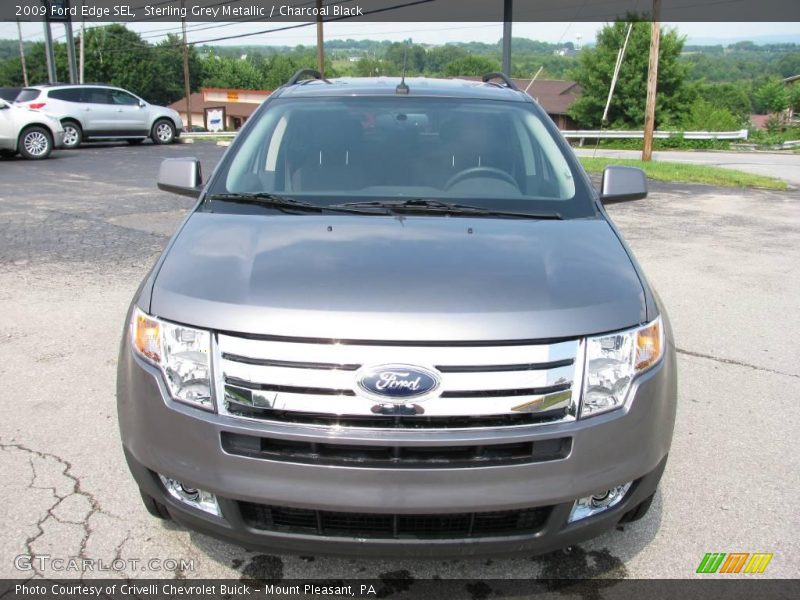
(397, 383)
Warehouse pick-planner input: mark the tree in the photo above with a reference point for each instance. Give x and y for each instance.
(229, 72)
(370, 67)
(438, 58)
(794, 97)
(167, 66)
(772, 97)
(596, 67)
(471, 66)
(729, 96)
(707, 116)
(412, 55)
(11, 68)
(118, 56)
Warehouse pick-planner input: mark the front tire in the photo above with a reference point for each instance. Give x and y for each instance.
(35, 143)
(73, 135)
(163, 132)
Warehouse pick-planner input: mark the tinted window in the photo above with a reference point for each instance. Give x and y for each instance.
(120, 97)
(67, 95)
(9, 94)
(491, 153)
(97, 96)
(27, 95)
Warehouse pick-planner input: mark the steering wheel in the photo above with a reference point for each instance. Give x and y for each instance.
(481, 172)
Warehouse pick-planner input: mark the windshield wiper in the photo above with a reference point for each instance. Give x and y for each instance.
(283, 203)
(449, 208)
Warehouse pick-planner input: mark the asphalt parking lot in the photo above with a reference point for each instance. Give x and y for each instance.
(79, 231)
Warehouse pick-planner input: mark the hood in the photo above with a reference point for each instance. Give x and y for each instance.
(398, 278)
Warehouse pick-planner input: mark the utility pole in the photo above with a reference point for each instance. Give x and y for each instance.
(507, 20)
(73, 68)
(652, 84)
(22, 55)
(320, 41)
(187, 83)
(48, 52)
(82, 55)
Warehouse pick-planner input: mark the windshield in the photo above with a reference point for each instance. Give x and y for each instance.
(491, 154)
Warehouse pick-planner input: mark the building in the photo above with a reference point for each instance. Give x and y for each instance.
(555, 96)
(235, 105)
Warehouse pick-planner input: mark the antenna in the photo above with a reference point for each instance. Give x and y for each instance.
(402, 88)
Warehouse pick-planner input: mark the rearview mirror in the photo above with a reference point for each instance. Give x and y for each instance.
(621, 184)
(181, 176)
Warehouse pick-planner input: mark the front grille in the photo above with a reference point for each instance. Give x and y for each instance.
(314, 382)
(524, 521)
(396, 421)
(401, 457)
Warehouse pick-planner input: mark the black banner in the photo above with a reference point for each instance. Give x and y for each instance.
(398, 10)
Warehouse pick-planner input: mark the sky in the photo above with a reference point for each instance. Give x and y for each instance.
(428, 33)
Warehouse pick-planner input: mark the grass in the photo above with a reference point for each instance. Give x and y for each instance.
(685, 173)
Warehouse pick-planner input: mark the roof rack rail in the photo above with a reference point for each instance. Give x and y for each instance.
(509, 83)
(302, 73)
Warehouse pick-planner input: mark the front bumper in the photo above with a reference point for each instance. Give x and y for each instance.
(629, 444)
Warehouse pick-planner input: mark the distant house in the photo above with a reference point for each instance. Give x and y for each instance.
(237, 106)
(555, 96)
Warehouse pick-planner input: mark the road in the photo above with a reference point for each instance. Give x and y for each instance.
(784, 166)
(78, 233)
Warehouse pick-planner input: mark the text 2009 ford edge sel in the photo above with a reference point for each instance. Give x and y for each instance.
(397, 322)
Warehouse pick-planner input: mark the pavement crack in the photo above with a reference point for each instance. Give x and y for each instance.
(77, 489)
(738, 363)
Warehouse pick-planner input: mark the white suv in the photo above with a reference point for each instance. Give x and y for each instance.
(32, 133)
(101, 112)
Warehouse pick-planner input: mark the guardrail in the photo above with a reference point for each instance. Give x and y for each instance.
(625, 135)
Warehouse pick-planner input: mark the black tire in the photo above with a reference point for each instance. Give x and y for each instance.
(134, 141)
(637, 513)
(73, 134)
(163, 132)
(35, 143)
(154, 507)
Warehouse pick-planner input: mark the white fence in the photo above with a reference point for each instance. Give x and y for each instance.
(615, 134)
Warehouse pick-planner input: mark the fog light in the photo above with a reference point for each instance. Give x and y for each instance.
(200, 499)
(597, 503)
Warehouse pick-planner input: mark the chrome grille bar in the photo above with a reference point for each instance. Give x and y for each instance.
(264, 378)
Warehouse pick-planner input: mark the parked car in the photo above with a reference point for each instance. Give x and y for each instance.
(9, 94)
(100, 112)
(31, 133)
(399, 321)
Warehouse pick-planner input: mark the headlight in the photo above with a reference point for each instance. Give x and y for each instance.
(612, 361)
(181, 352)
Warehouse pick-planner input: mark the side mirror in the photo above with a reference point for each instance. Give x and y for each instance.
(621, 184)
(142, 103)
(4, 106)
(181, 176)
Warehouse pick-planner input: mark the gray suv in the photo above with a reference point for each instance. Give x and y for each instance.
(398, 321)
(96, 112)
